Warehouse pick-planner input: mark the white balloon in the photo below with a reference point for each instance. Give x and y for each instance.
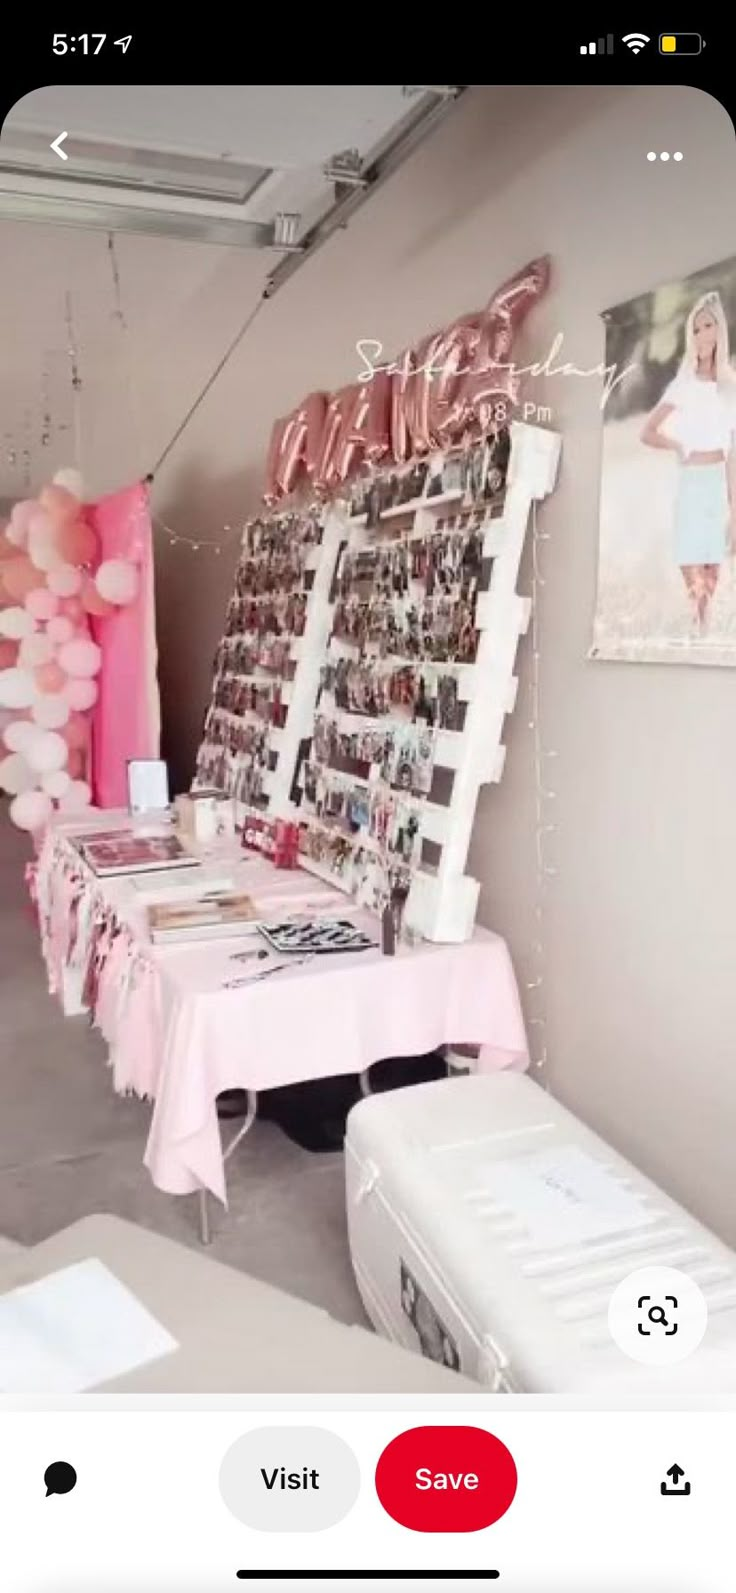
(31, 810)
(35, 650)
(17, 688)
(15, 775)
(51, 711)
(57, 784)
(117, 581)
(76, 797)
(47, 752)
(18, 733)
(71, 478)
(16, 623)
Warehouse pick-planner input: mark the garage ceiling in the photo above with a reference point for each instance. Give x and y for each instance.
(260, 166)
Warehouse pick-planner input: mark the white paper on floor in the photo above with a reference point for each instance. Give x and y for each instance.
(564, 1196)
(73, 1330)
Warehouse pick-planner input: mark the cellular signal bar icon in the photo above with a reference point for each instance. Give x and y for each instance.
(603, 47)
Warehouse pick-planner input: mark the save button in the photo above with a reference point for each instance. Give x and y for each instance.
(446, 1479)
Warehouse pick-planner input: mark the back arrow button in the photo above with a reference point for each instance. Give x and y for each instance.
(56, 146)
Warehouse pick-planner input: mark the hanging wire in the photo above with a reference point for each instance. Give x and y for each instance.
(209, 384)
(135, 409)
(76, 380)
(214, 544)
(27, 472)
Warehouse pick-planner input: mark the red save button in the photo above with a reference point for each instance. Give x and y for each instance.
(446, 1479)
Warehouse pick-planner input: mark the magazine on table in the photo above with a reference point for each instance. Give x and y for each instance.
(211, 916)
(125, 852)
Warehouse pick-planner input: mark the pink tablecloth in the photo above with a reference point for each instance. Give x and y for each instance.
(177, 1036)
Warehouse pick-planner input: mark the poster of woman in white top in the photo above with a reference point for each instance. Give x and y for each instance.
(666, 578)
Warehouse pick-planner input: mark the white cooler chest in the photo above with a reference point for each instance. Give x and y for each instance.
(455, 1256)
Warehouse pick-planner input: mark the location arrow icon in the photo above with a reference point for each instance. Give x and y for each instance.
(56, 146)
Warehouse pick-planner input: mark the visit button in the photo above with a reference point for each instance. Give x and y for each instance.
(446, 1479)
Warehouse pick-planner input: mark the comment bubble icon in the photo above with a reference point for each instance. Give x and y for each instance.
(59, 1477)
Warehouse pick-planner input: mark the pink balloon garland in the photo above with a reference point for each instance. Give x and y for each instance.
(51, 580)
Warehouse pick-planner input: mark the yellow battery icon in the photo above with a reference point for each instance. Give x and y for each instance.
(680, 43)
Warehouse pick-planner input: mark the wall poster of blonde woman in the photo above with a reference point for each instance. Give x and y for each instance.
(667, 556)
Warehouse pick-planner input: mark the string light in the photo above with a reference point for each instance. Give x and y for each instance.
(545, 870)
(198, 544)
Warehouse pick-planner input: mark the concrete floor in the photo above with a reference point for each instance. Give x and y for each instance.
(69, 1146)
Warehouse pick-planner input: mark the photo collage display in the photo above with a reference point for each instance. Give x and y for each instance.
(404, 620)
(266, 613)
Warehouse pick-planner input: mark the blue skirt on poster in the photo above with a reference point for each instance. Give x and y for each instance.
(701, 515)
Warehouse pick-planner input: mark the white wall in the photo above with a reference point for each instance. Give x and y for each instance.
(640, 994)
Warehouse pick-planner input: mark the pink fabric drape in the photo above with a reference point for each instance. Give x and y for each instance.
(127, 718)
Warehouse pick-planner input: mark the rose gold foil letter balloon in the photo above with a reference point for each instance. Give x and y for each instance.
(417, 392)
(377, 437)
(350, 448)
(490, 390)
(454, 355)
(271, 491)
(400, 438)
(300, 444)
(334, 431)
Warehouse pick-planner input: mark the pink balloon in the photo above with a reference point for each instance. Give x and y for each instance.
(50, 677)
(117, 581)
(80, 657)
(81, 694)
(43, 549)
(21, 515)
(31, 810)
(59, 503)
(77, 543)
(72, 607)
(91, 600)
(8, 653)
(59, 629)
(76, 730)
(40, 524)
(19, 577)
(41, 603)
(64, 580)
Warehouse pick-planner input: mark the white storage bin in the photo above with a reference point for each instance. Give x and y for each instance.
(444, 1267)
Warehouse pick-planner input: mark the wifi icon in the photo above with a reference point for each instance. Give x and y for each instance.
(635, 41)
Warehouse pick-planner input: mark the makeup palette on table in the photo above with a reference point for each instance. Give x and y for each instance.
(315, 935)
